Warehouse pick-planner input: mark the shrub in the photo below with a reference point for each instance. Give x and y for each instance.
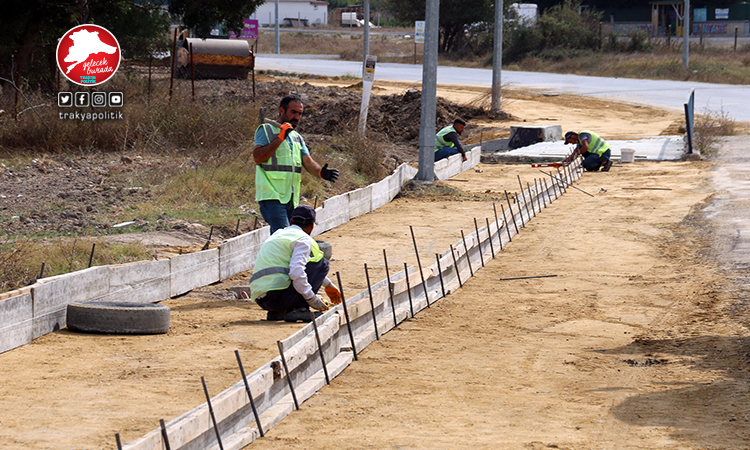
(709, 127)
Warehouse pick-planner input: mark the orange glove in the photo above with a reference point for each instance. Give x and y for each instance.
(334, 294)
(284, 131)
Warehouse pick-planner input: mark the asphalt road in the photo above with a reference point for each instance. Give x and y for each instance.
(733, 100)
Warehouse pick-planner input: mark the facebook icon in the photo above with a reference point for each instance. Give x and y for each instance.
(82, 99)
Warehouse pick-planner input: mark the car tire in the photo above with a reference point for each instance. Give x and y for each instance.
(118, 318)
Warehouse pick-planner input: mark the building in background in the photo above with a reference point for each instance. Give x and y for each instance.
(293, 13)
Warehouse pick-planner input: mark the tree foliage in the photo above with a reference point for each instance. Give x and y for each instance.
(457, 18)
(28, 37)
(559, 30)
(201, 16)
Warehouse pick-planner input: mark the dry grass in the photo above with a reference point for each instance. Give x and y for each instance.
(23, 261)
(710, 126)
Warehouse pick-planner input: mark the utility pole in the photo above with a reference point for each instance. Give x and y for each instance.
(686, 35)
(277, 43)
(426, 171)
(366, 34)
(497, 58)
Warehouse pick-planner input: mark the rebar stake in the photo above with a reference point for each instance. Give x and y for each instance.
(479, 242)
(525, 202)
(408, 290)
(41, 273)
(419, 263)
(288, 375)
(372, 304)
(164, 436)
(505, 222)
(531, 200)
(117, 440)
(510, 210)
(489, 235)
(91, 257)
(390, 289)
(320, 347)
(468, 260)
(346, 315)
(237, 229)
(211, 412)
(440, 274)
(455, 265)
(520, 212)
(249, 394)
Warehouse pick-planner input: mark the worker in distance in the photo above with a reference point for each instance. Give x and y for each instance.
(289, 271)
(447, 143)
(280, 153)
(595, 151)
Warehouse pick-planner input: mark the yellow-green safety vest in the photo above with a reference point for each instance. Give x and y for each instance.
(597, 144)
(271, 271)
(280, 176)
(440, 142)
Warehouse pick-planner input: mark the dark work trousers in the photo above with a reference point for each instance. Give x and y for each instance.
(288, 299)
(592, 162)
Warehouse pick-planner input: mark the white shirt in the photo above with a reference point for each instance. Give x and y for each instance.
(300, 254)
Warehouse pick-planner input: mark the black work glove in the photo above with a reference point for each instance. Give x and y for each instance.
(329, 174)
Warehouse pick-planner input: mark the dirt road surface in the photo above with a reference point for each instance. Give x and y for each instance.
(639, 341)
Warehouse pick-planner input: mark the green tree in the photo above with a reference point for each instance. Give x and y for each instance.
(457, 18)
(28, 37)
(558, 31)
(201, 16)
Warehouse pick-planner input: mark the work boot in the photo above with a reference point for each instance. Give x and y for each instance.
(274, 316)
(607, 165)
(300, 315)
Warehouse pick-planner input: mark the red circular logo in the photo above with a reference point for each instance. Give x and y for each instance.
(88, 55)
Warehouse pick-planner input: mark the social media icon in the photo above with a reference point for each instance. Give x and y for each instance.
(64, 99)
(99, 98)
(115, 99)
(82, 99)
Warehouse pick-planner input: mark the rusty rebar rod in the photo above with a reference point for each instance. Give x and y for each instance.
(489, 235)
(288, 375)
(510, 210)
(479, 242)
(91, 256)
(440, 274)
(372, 303)
(211, 413)
(419, 263)
(408, 289)
(164, 436)
(249, 394)
(455, 264)
(320, 347)
(468, 260)
(346, 315)
(390, 289)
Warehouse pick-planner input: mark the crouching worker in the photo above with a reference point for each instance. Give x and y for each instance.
(289, 271)
(595, 151)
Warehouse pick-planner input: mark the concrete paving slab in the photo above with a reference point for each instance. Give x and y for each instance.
(658, 148)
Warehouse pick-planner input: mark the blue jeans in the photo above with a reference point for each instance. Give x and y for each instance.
(592, 162)
(276, 214)
(445, 152)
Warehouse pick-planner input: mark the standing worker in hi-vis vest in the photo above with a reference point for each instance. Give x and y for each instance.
(289, 271)
(595, 151)
(279, 154)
